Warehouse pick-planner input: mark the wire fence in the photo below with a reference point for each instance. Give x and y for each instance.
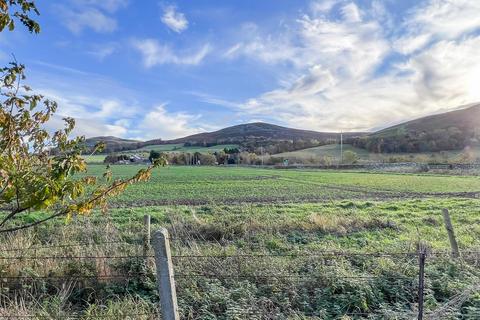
(126, 261)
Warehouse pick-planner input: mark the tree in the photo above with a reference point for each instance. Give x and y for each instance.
(154, 155)
(350, 157)
(20, 10)
(32, 176)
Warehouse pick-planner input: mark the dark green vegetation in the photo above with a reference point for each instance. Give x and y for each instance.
(447, 131)
(257, 244)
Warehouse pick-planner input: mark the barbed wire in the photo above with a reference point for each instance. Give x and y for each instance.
(324, 254)
(80, 244)
(78, 316)
(281, 276)
(74, 277)
(77, 257)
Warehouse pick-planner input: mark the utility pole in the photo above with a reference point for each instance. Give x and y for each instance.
(261, 153)
(341, 147)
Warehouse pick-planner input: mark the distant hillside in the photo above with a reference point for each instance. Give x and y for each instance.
(452, 130)
(247, 135)
(113, 144)
(257, 131)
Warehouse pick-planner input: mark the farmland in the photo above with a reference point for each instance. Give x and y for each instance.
(199, 185)
(333, 151)
(271, 222)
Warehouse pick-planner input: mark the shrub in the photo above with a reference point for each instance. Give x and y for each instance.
(350, 157)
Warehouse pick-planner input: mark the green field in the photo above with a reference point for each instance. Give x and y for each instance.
(333, 151)
(94, 159)
(199, 185)
(274, 222)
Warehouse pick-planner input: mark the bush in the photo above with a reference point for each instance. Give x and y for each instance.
(350, 157)
(154, 155)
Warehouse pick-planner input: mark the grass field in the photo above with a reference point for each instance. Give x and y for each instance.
(271, 221)
(333, 151)
(199, 185)
(94, 159)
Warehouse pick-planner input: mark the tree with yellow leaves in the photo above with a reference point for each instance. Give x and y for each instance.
(38, 169)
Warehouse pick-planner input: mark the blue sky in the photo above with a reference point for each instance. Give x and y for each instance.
(164, 69)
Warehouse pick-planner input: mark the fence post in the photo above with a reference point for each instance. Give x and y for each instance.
(165, 278)
(422, 254)
(146, 235)
(451, 233)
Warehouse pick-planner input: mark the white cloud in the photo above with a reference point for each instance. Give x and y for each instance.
(155, 53)
(107, 5)
(336, 83)
(77, 21)
(322, 6)
(80, 105)
(438, 20)
(159, 123)
(88, 128)
(266, 48)
(78, 15)
(174, 20)
(102, 51)
(351, 13)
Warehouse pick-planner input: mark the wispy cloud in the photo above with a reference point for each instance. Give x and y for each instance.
(107, 5)
(102, 51)
(100, 105)
(342, 73)
(438, 20)
(174, 19)
(79, 15)
(154, 53)
(159, 123)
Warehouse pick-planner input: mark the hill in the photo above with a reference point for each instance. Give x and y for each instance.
(113, 144)
(452, 130)
(257, 131)
(248, 135)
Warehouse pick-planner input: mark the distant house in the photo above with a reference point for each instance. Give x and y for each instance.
(137, 159)
(125, 159)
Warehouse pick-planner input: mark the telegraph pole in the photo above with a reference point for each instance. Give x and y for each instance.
(341, 147)
(261, 152)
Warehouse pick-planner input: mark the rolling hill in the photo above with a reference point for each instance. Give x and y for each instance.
(239, 134)
(113, 144)
(258, 131)
(463, 119)
(452, 130)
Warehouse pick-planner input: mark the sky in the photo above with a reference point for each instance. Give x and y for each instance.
(166, 69)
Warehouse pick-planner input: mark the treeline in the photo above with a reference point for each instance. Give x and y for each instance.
(403, 141)
(224, 157)
(270, 146)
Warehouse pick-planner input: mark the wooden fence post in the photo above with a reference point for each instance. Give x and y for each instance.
(146, 235)
(422, 254)
(165, 278)
(451, 233)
